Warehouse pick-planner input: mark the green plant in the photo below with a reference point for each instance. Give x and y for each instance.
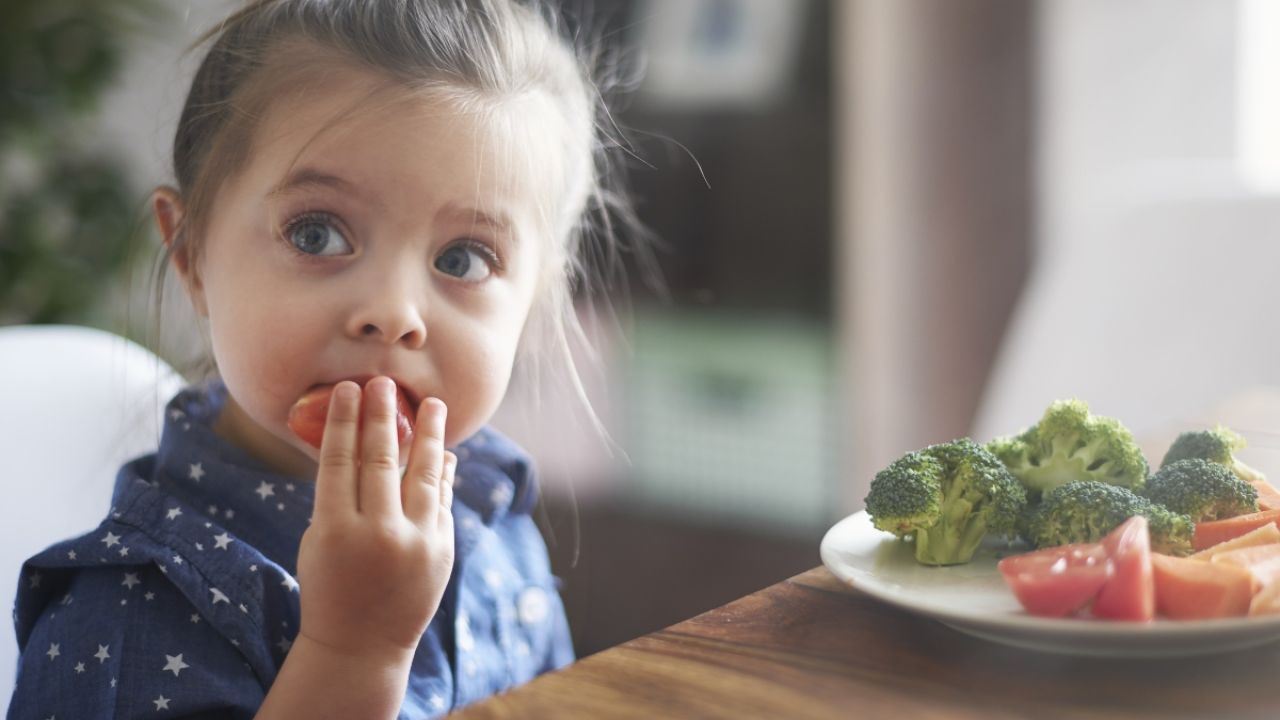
(67, 210)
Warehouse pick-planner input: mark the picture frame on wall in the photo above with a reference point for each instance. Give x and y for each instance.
(719, 54)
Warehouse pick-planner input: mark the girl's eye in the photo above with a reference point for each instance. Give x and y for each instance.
(466, 262)
(317, 237)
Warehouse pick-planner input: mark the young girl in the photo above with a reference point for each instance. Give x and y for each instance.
(376, 201)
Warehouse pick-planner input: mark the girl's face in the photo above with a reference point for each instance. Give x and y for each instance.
(399, 241)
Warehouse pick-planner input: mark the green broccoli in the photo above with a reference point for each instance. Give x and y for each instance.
(1217, 445)
(1202, 489)
(946, 498)
(1070, 444)
(1086, 511)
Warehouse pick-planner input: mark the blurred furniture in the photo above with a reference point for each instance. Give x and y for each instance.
(77, 403)
(811, 647)
(627, 571)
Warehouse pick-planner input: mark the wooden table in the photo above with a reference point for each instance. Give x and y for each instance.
(811, 647)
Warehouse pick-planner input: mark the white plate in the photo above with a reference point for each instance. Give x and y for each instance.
(973, 598)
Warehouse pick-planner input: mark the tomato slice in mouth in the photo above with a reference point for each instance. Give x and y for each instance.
(307, 416)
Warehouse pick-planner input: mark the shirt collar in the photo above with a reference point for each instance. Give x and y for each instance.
(231, 488)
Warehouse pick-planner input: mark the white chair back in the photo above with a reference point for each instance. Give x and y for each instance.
(75, 404)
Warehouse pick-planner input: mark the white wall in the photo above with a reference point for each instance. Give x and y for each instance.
(1154, 273)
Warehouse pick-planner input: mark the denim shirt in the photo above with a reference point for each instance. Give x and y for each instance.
(184, 601)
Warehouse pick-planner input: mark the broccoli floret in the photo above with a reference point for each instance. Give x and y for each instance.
(1202, 489)
(1070, 444)
(1218, 445)
(1086, 511)
(946, 498)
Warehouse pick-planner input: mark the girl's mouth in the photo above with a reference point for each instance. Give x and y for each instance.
(308, 415)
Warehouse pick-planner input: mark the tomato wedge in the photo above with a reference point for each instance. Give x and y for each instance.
(1130, 593)
(1057, 581)
(308, 415)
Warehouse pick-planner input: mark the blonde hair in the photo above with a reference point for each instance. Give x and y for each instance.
(477, 53)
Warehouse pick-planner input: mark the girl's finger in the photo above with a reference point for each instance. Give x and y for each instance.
(420, 488)
(336, 484)
(446, 486)
(379, 450)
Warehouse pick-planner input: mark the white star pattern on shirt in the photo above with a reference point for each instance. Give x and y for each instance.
(79, 668)
(197, 471)
(130, 579)
(174, 512)
(150, 596)
(437, 702)
(290, 583)
(102, 654)
(265, 490)
(464, 638)
(111, 539)
(219, 596)
(195, 617)
(177, 560)
(162, 702)
(54, 650)
(285, 645)
(501, 495)
(174, 663)
(493, 579)
(71, 555)
(222, 541)
(35, 580)
(124, 552)
(177, 414)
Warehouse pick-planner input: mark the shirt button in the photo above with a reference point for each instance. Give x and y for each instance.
(532, 605)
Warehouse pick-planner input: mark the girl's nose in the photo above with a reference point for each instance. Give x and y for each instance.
(389, 315)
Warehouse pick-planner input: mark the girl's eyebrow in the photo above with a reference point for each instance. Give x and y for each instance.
(495, 221)
(308, 177)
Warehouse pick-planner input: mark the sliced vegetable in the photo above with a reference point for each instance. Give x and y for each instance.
(1213, 532)
(1268, 495)
(1057, 581)
(1264, 535)
(1267, 601)
(1129, 594)
(1188, 589)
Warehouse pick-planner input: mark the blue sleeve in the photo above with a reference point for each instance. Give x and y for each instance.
(123, 642)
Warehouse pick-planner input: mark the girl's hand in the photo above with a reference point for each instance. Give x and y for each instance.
(374, 563)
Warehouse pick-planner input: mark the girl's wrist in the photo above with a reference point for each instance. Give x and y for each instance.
(387, 658)
(319, 680)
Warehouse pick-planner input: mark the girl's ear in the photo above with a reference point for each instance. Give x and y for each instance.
(167, 207)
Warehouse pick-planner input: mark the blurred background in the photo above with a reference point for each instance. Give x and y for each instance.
(885, 223)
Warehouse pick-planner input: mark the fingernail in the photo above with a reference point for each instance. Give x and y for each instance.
(438, 411)
(346, 391)
(384, 387)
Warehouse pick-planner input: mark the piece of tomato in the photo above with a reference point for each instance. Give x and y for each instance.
(1057, 581)
(1130, 593)
(308, 415)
